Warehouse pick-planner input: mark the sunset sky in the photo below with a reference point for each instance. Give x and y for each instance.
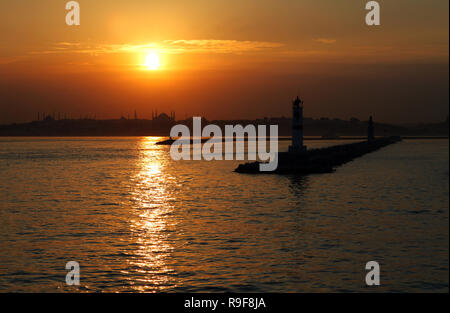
(225, 59)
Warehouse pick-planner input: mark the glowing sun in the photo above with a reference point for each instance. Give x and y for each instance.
(152, 61)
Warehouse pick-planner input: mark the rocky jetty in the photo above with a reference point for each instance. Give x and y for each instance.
(323, 160)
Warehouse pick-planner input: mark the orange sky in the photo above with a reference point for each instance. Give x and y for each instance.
(225, 59)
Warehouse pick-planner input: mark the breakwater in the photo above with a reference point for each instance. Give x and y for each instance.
(323, 160)
(168, 142)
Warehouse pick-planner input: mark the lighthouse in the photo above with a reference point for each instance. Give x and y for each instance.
(297, 127)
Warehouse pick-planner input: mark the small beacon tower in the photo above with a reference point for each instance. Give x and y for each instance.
(370, 130)
(297, 127)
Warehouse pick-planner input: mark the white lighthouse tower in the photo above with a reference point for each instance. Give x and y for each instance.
(297, 127)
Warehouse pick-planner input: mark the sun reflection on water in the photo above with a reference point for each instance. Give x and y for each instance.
(152, 225)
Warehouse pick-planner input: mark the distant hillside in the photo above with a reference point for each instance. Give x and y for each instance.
(161, 127)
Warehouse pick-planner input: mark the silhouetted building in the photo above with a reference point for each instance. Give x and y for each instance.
(154, 114)
(163, 117)
(49, 118)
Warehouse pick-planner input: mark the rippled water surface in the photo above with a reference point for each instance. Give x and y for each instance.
(136, 220)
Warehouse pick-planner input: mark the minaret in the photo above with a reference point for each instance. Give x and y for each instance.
(370, 130)
(297, 126)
